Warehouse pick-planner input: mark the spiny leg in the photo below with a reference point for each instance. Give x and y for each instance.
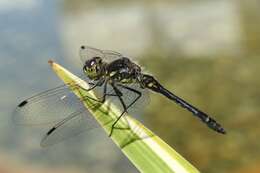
(104, 92)
(99, 83)
(122, 102)
(119, 95)
(133, 90)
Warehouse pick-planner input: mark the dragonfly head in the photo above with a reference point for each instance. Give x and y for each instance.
(93, 68)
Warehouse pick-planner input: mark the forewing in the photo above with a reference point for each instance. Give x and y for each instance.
(71, 126)
(47, 107)
(129, 97)
(87, 53)
(110, 55)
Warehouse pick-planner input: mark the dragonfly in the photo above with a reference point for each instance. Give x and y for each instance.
(117, 78)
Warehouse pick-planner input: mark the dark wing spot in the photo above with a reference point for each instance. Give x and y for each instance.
(23, 103)
(51, 130)
(82, 47)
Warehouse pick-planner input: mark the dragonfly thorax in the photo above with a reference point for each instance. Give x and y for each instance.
(123, 71)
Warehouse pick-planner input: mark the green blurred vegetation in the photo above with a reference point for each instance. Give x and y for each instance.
(223, 84)
(226, 88)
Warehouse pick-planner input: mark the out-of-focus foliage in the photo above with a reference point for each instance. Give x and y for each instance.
(170, 35)
(226, 88)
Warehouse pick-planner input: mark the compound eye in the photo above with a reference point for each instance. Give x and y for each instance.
(92, 63)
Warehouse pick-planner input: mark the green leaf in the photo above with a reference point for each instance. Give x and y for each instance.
(143, 148)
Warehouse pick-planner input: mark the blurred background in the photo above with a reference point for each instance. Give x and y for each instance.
(205, 51)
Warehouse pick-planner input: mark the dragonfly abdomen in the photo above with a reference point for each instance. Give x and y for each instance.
(151, 83)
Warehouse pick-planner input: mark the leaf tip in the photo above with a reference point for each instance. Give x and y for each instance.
(50, 62)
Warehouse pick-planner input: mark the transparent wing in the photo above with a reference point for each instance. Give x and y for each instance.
(47, 107)
(44, 108)
(129, 97)
(110, 55)
(55, 105)
(87, 53)
(61, 105)
(80, 121)
(71, 126)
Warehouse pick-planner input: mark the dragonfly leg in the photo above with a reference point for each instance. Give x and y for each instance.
(103, 98)
(99, 83)
(123, 104)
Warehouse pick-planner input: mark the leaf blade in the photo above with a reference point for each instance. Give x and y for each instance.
(146, 150)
